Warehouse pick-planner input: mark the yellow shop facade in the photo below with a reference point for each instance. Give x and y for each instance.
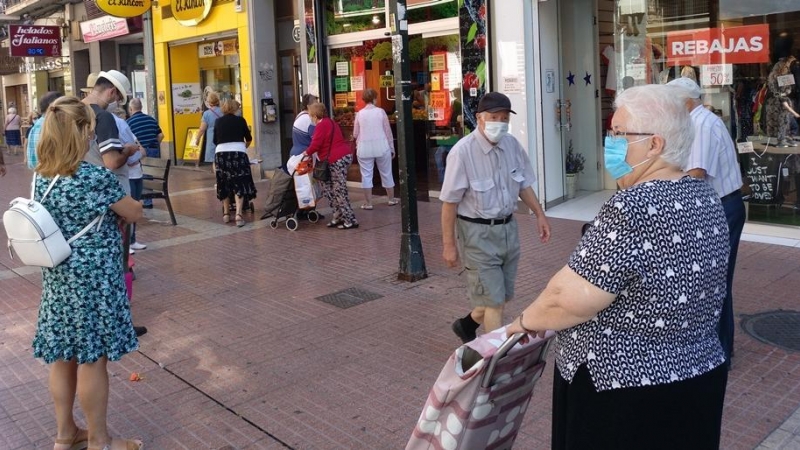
(207, 45)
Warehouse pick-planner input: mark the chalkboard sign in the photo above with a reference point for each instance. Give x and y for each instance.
(762, 176)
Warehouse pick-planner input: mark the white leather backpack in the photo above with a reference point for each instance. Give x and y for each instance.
(34, 236)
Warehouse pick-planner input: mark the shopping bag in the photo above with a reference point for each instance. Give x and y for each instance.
(299, 164)
(304, 189)
(480, 397)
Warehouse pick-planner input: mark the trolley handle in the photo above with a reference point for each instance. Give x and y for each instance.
(503, 350)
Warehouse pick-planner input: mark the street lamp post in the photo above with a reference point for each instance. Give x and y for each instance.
(412, 261)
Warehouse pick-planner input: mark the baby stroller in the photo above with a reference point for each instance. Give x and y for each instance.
(282, 200)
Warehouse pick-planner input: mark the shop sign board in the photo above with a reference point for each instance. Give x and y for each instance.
(124, 8)
(191, 12)
(227, 47)
(387, 81)
(103, 28)
(716, 74)
(735, 45)
(35, 40)
(30, 65)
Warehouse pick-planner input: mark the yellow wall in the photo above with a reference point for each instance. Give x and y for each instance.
(185, 69)
(180, 64)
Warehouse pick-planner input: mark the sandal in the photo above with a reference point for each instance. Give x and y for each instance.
(239, 220)
(130, 444)
(226, 217)
(393, 202)
(347, 226)
(78, 442)
(368, 207)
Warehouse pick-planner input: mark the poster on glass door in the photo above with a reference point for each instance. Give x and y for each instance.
(186, 98)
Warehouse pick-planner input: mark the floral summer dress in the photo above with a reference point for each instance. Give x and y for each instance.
(84, 313)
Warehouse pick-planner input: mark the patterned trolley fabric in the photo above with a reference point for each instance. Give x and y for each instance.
(464, 412)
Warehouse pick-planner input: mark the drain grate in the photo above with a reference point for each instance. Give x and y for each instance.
(349, 297)
(779, 328)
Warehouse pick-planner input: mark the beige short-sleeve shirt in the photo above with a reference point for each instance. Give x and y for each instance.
(485, 179)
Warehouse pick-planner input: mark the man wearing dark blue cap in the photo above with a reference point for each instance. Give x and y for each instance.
(487, 172)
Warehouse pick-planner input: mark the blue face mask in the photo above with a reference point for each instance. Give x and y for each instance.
(616, 149)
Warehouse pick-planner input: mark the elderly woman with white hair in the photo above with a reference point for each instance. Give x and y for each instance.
(638, 360)
(13, 134)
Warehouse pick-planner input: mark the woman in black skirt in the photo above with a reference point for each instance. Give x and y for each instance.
(12, 130)
(232, 137)
(639, 364)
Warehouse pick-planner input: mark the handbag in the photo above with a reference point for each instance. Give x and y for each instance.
(322, 170)
(34, 236)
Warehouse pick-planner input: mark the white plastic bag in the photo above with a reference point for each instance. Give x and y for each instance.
(304, 189)
(291, 165)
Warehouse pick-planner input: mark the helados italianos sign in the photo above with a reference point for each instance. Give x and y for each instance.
(124, 8)
(190, 12)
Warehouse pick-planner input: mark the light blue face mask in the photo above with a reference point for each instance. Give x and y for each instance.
(616, 149)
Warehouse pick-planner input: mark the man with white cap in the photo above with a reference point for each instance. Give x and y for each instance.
(487, 172)
(714, 159)
(106, 149)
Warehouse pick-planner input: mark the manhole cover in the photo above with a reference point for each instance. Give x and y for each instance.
(349, 297)
(778, 328)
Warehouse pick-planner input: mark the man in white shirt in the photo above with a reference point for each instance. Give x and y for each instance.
(714, 159)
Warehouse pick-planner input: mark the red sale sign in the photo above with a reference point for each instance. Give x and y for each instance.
(735, 45)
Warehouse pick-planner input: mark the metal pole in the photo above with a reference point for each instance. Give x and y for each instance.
(149, 63)
(412, 261)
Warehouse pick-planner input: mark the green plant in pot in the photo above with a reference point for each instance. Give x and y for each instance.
(574, 165)
(575, 161)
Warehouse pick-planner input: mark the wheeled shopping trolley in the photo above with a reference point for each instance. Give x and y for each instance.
(482, 394)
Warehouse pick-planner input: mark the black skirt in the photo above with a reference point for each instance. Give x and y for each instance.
(684, 415)
(234, 176)
(13, 137)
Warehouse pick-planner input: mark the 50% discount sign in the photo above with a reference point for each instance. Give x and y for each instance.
(716, 74)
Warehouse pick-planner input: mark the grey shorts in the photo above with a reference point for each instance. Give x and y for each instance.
(490, 254)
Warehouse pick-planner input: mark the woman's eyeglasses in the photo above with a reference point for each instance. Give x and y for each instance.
(622, 134)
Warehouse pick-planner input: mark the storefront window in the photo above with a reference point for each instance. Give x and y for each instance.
(220, 69)
(743, 56)
(348, 16)
(436, 82)
(424, 10)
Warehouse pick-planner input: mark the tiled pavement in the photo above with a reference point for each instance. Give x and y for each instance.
(240, 354)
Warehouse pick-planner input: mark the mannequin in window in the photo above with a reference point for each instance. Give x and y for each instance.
(782, 92)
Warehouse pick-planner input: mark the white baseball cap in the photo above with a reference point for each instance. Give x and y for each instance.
(687, 84)
(120, 82)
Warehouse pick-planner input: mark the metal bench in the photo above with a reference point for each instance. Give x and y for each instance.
(155, 183)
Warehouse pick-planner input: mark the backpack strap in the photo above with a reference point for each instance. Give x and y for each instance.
(33, 187)
(97, 220)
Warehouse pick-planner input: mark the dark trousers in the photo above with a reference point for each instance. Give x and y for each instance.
(136, 193)
(684, 415)
(735, 215)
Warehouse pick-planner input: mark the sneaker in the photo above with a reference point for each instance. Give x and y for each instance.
(131, 251)
(463, 334)
(138, 246)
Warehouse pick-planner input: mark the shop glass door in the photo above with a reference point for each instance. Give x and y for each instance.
(570, 108)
